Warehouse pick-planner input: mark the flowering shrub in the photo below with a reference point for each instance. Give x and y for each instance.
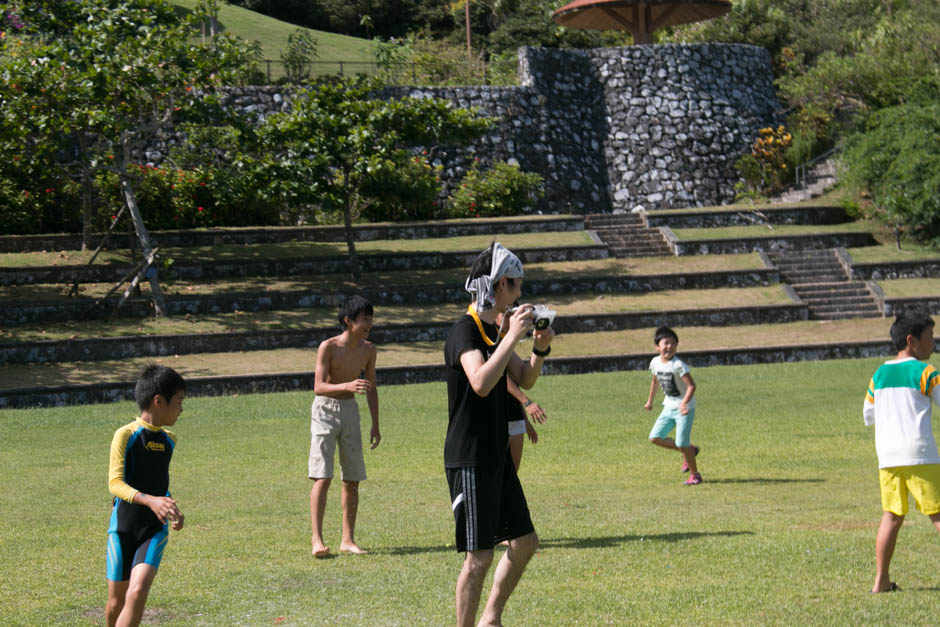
(764, 169)
(167, 198)
(503, 190)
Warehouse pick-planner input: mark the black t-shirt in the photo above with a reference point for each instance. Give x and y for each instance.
(476, 428)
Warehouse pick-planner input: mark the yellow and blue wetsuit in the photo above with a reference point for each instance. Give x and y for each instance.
(140, 462)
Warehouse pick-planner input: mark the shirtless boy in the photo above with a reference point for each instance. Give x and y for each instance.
(345, 367)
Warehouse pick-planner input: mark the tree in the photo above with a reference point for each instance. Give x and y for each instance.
(341, 134)
(896, 159)
(301, 51)
(94, 82)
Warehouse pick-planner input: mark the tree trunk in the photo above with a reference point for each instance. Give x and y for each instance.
(88, 194)
(350, 236)
(159, 304)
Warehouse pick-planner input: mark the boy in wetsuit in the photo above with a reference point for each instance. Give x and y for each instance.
(139, 479)
(345, 367)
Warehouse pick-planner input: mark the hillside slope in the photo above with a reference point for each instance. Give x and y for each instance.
(272, 34)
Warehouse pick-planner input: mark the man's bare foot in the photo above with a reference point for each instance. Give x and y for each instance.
(321, 551)
(353, 548)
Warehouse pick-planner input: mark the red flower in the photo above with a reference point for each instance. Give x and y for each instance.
(199, 209)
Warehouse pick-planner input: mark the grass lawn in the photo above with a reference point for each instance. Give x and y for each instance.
(272, 34)
(781, 532)
(777, 230)
(889, 252)
(910, 288)
(431, 352)
(456, 276)
(295, 250)
(565, 305)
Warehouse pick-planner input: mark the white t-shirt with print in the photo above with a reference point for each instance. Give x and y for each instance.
(669, 375)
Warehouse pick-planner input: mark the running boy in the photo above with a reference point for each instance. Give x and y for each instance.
(139, 479)
(673, 376)
(898, 403)
(345, 367)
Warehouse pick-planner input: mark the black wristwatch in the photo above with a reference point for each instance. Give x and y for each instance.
(543, 353)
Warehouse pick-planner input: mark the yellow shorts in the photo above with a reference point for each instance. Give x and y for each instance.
(922, 482)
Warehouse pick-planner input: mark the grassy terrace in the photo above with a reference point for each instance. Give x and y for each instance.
(777, 230)
(575, 344)
(889, 252)
(910, 288)
(294, 250)
(339, 283)
(326, 317)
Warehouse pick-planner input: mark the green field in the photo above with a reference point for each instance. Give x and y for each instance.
(782, 531)
(272, 34)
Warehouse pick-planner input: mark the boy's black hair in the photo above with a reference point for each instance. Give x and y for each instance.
(352, 307)
(662, 332)
(484, 263)
(909, 322)
(155, 380)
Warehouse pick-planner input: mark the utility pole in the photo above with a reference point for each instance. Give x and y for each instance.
(467, 14)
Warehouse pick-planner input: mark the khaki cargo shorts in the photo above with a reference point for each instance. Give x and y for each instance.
(335, 420)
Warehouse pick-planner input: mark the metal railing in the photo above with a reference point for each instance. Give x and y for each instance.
(803, 169)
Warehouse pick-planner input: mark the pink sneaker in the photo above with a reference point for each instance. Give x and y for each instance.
(694, 479)
(685, 465)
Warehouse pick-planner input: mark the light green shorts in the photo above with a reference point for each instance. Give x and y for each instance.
(922, 482)
(672, 419)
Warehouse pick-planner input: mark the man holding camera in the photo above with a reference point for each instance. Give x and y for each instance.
(486, 496)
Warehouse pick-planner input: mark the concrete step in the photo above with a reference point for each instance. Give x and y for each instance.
(843, 315)
(831, 287)
(821, 268)
(814, 297)
(853, 302)
(811, 278)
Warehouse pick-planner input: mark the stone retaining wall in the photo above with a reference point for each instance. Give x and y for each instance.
(274, 235)
(71, 309)
(303, 381)
(314, 265)
(657, 126)
(768, 244)
(894, 306)
(887, 270)
(760, 215)
(97, 349)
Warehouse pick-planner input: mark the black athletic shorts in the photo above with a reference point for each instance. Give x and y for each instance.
(488, 506)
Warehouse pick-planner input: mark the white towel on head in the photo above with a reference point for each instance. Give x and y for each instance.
(504, 264)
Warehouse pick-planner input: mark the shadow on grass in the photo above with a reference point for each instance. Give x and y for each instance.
(577, 543)
(765, 480)
(611, 541)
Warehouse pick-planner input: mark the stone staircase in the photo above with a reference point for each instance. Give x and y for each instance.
(820, 280)
(627, 235)
(822, 177)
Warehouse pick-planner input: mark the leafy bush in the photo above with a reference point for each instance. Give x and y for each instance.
(401, 192)
(896, 158)
(503, 190)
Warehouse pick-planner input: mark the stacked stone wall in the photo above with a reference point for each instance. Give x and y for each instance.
(608, 129)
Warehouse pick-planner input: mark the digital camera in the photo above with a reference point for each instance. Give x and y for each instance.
(544, 317)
